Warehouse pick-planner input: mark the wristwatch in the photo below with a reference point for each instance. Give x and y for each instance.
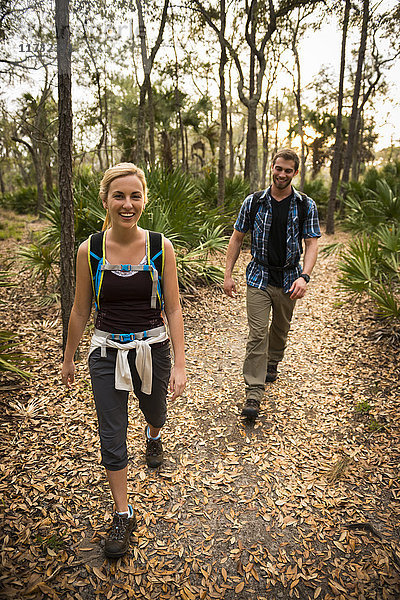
(305, 277)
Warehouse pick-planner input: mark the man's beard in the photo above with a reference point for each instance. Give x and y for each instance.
(281, 184)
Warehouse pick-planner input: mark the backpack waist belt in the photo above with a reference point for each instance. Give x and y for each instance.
(123, 342)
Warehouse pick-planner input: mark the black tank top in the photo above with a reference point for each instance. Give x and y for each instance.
(125, 304)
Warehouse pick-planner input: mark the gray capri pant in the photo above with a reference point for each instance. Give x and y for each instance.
(112, 404)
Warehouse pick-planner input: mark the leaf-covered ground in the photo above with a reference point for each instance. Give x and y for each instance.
(305, 503)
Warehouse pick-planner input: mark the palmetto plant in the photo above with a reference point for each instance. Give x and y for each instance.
(371, 265)
(40, 259)
(88, 211)
(367, 208)
(10, 356)
(175, 208)
(359, 265)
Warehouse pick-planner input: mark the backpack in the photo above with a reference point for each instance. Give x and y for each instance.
(155, 265)
(302, 209)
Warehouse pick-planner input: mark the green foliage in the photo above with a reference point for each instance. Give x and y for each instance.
(23, 202)
(236, 190)
(175, 208)
(178, 209)
(88, 210)
(390, 172)
(388, 303)
(359, 266)
(11, 229)
(367, 207)
(319, 192)
(10, 357)
(40, 259)
(372, 263)
(371, 266)
(363, 407)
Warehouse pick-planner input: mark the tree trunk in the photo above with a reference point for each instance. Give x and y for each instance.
(224, 112)
(40, 172)
(182, 136)
(337, 150)
(252, 146)
(277, 119)
(67, 240)
(145, 89)
(231, 147)
(355, 163)
(356, 94)
(2, 186)
(230, 134)
(166, 152)
(250, 117)
(141, 125)
(297, 96)
(150, 112)
(265, 143)
(48, 179)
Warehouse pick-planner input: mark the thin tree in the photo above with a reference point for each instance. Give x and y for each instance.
(337, 149)
(257, 58)
(223, 109)
(351, 138)
(145, 88)
(67, 240)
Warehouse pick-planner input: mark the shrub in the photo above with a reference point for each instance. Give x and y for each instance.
(319, 192)
(22, 202)
(367, 208)
(236, 190)
(371, 266)
(10, 356)
(175, 208)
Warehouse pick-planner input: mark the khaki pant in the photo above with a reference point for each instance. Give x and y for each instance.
(265, 344)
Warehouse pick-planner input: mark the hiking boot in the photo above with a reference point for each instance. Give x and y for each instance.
(154, 451)
(251, 408)
(117, 543)
(272, 373)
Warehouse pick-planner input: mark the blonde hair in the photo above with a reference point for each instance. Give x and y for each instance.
(120, 170)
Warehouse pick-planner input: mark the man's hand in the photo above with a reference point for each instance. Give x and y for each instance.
(229, 287)
(298, 289)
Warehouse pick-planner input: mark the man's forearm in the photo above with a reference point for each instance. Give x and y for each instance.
(310, 255)
(232, 254)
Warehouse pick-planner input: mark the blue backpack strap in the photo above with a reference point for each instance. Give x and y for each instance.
(96, 247)
(155, 258)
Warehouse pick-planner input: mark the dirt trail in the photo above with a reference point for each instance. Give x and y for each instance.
(238, 510)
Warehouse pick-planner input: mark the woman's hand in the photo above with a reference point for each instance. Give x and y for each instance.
(177, 382)
(68, 373)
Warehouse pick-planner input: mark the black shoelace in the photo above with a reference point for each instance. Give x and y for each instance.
(119, 526)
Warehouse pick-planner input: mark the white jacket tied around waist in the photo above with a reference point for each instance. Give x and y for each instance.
(141, 342)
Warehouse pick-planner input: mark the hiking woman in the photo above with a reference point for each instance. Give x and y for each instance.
(131, 274)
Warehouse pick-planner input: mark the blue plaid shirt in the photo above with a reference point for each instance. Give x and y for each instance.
(257, 274)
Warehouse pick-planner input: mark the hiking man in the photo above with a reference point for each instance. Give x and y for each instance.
(278, 218)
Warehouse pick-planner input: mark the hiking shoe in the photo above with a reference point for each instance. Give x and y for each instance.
(154, 451)
(272, 373)
(117, 542)
(251, 408)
